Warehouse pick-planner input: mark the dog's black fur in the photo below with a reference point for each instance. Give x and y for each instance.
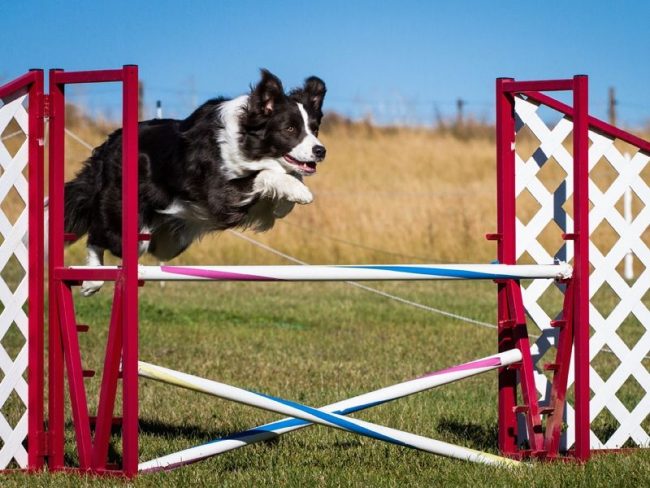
(184, 161)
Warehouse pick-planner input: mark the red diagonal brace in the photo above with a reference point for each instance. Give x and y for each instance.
(557, 399)
(72, 355)
(526, 372)
(110, 377)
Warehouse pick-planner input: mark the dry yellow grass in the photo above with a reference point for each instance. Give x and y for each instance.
(411, 193)
(383, 195)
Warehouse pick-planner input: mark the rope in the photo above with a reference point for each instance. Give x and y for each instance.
(79, 140)
(366, 287)
(353, 283)
(320, 235)
(13, 134)
(391, 296)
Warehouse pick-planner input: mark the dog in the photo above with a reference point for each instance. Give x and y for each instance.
(233, 163)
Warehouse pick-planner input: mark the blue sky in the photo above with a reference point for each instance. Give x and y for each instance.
(400, 60)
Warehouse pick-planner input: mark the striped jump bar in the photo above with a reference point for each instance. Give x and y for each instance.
(380, 272)
(331, 415)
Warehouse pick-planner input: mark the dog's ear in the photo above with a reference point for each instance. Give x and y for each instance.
(266, 95)
(314, 90)
(311, 95)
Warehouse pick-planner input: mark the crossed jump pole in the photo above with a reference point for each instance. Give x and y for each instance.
(517, 393)
(330, 415)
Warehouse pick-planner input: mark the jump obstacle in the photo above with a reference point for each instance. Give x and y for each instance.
(540, 221)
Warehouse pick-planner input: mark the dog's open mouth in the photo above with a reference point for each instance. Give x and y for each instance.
(304, 166)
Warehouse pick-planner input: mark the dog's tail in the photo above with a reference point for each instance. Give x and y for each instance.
(77, 225)
(77, 208)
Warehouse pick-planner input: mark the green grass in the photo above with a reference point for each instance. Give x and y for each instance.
(316, 344)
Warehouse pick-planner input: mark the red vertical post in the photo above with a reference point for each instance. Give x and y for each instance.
(56, 259)
(129, 276)
(581, 262)
(36, 275)
(506, 252)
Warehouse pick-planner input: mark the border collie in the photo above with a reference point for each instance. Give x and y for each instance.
(232, 163)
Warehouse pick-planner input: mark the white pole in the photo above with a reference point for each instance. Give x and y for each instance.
(628, 269)
(386, 272)
(361, 402)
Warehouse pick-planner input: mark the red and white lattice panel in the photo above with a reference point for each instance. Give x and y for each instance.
(619, 258)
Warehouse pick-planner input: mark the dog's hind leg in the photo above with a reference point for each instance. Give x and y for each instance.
(143, 245)
(94, 257)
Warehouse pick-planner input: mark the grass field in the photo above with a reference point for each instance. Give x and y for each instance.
(319, 343)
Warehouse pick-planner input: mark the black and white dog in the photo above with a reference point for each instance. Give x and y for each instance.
(232, 163)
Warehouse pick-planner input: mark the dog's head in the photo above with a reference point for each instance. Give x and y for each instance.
(284, 126)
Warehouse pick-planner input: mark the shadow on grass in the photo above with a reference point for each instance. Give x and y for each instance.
(481, 436)
(71, 458)
(190, 432)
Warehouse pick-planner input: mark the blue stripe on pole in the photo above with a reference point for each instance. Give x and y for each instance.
(283, 424)
(345, 424)
(264, 429)
(288, 423)
(429, 271)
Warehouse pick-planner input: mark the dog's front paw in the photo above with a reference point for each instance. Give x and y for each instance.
(300, 194)
(89, 288)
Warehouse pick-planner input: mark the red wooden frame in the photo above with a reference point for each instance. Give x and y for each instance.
(123, 328)
(574, 326)
(36, 434)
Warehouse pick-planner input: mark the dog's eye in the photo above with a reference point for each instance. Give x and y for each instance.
(315, 132)
(291, 128)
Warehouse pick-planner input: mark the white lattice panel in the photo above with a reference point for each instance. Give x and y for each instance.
(620, 321)
(13, 282)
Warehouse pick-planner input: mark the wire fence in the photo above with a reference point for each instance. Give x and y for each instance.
(394, 109)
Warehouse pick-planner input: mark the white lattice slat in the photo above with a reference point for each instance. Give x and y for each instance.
(13, 185)
(14, 111)
(13, 177)
(605, 337)
(13, 448)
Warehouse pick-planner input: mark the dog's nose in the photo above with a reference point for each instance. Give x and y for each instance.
(319, 152)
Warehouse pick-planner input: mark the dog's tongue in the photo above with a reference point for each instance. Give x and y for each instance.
(306, 166)
(310, 167)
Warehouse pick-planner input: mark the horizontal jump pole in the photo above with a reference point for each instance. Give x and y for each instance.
(379, 272)
(306, 416)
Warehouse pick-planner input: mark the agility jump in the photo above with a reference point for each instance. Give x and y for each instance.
(524, 394)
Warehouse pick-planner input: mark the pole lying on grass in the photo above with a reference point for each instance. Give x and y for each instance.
(378, 272)
(330, 415)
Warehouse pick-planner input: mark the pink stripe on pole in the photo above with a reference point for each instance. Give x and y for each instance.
(214, 275)
(482, 363)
